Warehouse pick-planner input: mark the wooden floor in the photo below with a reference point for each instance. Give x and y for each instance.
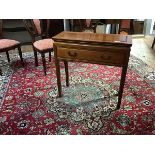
(141, 48)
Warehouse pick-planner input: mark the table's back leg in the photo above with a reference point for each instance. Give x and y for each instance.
(57, 65)
(66, 71)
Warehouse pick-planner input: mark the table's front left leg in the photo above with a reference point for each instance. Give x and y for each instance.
(120, 93)
(58, 76)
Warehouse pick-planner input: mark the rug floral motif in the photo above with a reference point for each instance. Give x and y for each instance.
(29, 103)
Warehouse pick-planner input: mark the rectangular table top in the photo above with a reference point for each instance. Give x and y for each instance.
(88, 37)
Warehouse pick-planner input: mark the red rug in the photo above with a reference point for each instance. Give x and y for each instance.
(28, 103)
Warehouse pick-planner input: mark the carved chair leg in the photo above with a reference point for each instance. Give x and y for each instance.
(35, 57)
(20, 54)
(50, 56)
(44, 62)
(7, 54)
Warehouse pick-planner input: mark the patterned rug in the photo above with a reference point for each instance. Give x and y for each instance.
(28, 102)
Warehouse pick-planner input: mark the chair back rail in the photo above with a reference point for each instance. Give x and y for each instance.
(37, 28)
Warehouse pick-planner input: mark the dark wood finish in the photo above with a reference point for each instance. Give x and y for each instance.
(20, 55)
(18, 46)
(0, 71)
(153, 43)
(32, 29)
(67, 74)
(93, 55)
(7, 54)
(1, 27)
(123, 75)
(58, 70)
(105, 49)
(49, 56)
(35, 56)
(44, 62)
(55, 26)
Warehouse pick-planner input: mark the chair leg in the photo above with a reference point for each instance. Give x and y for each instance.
(153, 43)
(36, 58)
(44, 62)
(50, 56)
(0, 71)
(7, 54)
(20, 54)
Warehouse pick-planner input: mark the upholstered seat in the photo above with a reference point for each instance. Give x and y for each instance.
(8, 43)
(44, 44)
(124, 33)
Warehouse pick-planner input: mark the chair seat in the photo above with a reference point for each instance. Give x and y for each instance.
(124, 33)
(44, 44)
(8, 43)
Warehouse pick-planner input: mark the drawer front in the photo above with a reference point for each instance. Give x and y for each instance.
(96, 56)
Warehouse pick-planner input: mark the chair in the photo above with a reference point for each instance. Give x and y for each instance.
(39, 29)
(7, 45)
(126, 26)
(88, 25)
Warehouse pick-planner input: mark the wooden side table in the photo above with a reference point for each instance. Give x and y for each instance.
(105, 49)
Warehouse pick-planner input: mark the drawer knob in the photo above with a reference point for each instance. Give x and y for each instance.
(105, 57)
(71, 54)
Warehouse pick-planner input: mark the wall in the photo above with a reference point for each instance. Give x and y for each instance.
(147, 26)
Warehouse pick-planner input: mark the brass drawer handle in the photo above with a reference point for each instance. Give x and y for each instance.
(72, 54)
(105, 57)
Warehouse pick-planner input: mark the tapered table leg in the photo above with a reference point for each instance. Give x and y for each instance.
(58, 76)
(123, 75)
(66, 71)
